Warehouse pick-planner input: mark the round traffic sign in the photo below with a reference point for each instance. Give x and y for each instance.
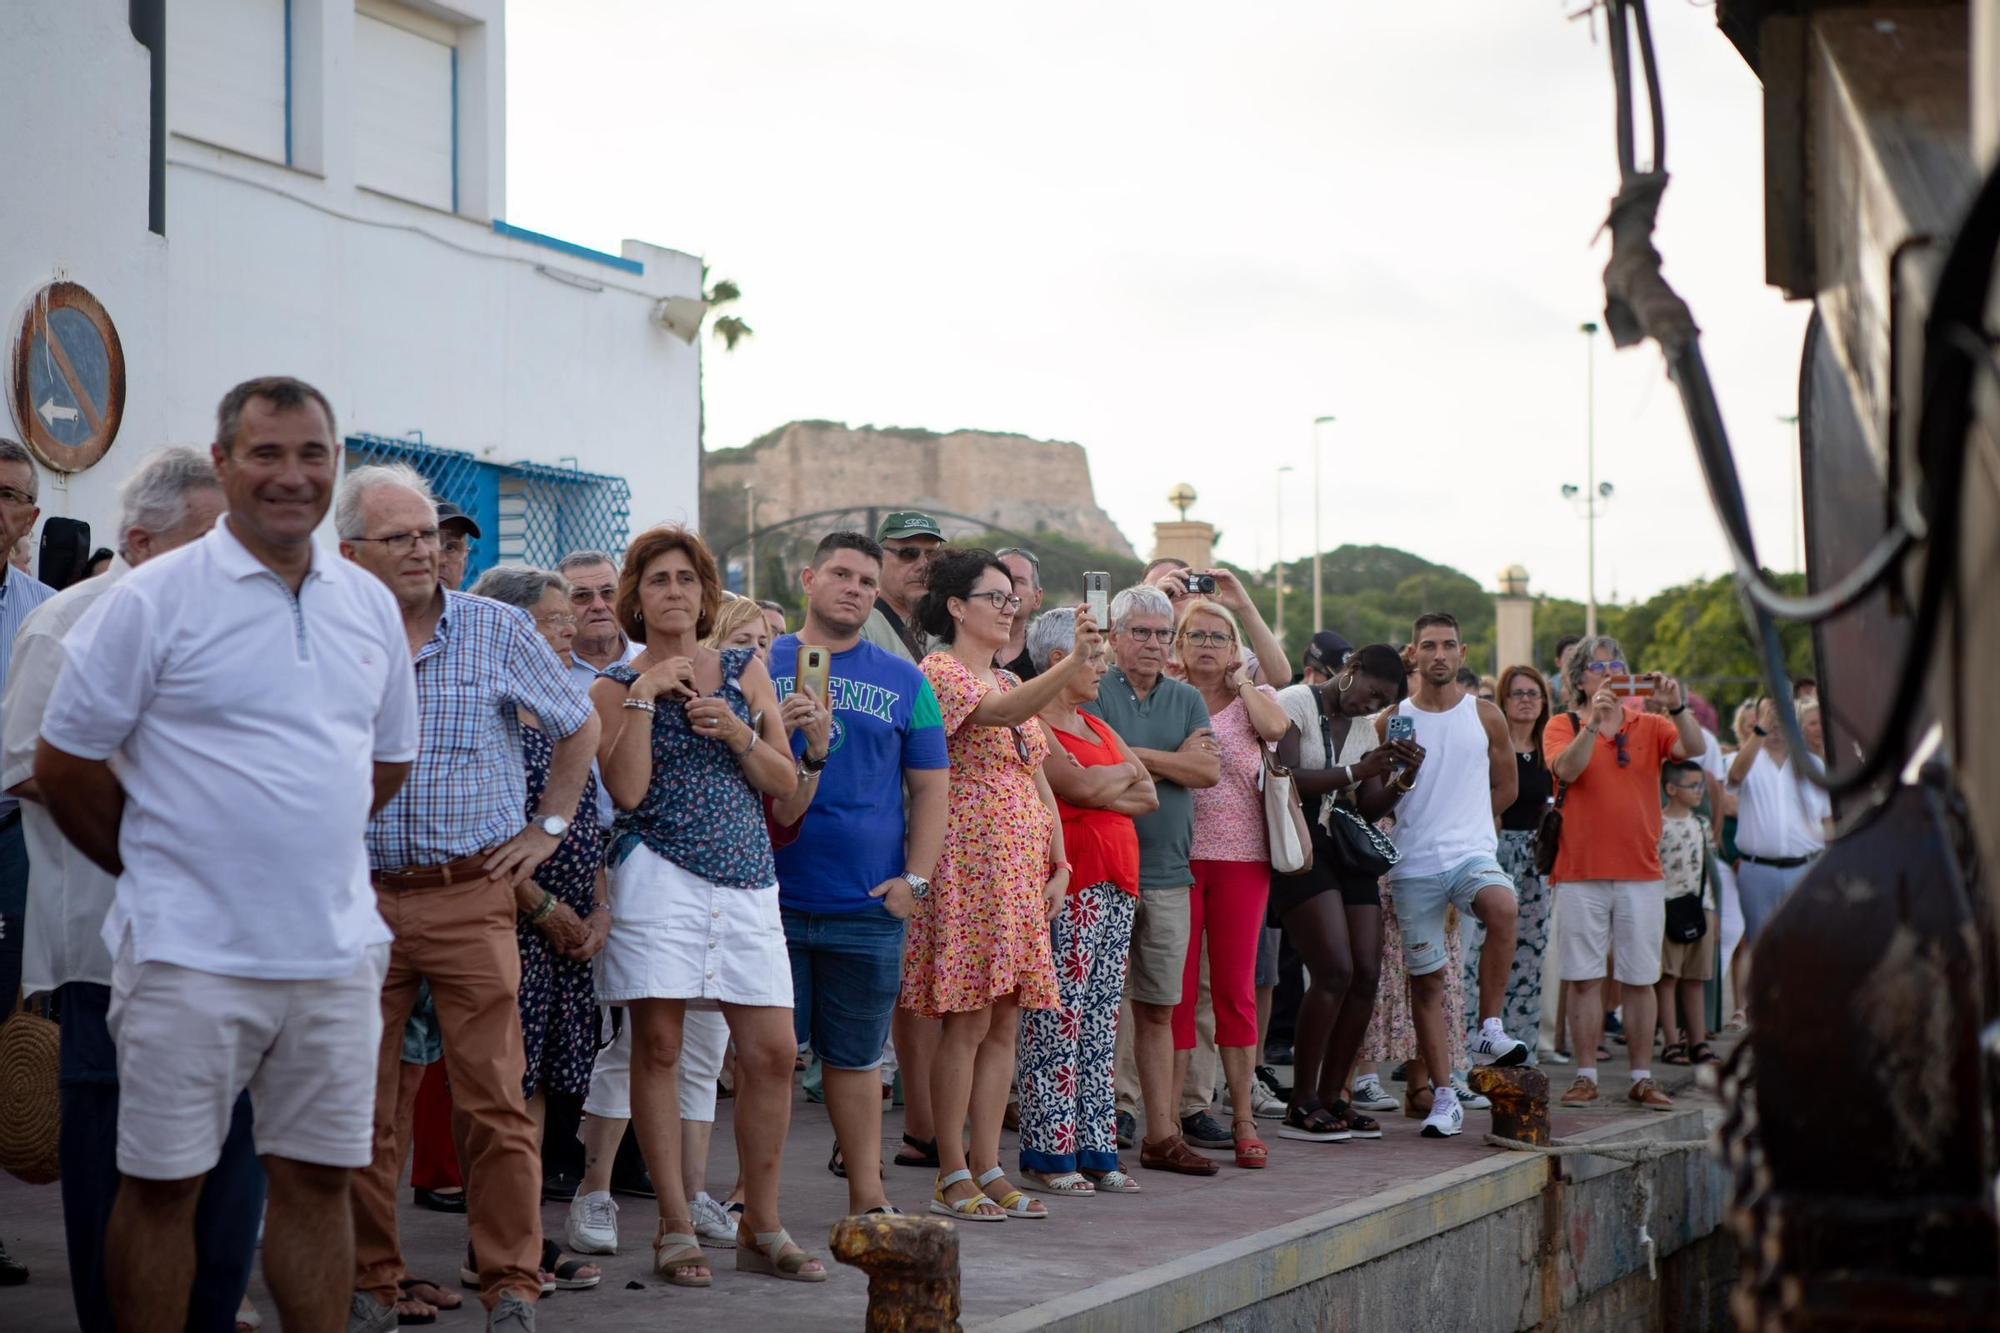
(67, 379)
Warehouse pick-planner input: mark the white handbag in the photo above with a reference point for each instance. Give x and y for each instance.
(1284, 819)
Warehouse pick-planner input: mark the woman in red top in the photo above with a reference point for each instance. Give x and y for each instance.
(1069, 1129)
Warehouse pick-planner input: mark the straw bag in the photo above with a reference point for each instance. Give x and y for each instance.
(28, 1100)
(1284, 818)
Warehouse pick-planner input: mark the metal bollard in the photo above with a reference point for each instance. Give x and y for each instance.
(1520, 1101)
(912, 1267)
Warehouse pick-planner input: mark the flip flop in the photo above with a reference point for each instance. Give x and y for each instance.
(444, 1300)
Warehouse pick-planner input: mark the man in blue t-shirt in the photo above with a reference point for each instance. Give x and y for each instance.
(856, 869)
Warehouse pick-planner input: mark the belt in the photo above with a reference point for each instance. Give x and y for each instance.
(1776, 862)
(462, 871)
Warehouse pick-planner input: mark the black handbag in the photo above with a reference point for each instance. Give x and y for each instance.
(1359, 848)
(1549, 831)
(1687, 920)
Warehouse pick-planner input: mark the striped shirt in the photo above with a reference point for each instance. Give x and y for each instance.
(20, 593)
(470, 782)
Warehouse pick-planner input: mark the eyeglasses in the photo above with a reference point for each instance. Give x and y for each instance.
(1002, 601)
(14, 499)
(909, 555)
(402, 543)
(1142, 634)
(1533, 696)
(1208, 638)
(559, 618)
(1614, 666)
(585, 596)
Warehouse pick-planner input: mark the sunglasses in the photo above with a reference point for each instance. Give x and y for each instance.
(1624, 756)
(909, 555)
(1020, 744)
(1614, 666)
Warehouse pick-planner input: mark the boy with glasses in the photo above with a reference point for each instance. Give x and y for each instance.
(1613, 896)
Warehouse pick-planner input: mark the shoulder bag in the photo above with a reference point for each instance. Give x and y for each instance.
(1284, 818)
(1548, 833)
(1687, 919)
(1360, 848)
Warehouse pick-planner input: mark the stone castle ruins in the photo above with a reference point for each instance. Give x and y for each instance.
(1005, 480)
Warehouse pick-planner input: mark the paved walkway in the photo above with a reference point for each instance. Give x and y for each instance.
(1006, 1266)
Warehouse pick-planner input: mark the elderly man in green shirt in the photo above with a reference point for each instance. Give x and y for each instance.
(1166, 725)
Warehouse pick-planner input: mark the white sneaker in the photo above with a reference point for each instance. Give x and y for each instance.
(1492, 1046)
(593, 1224)
(1470, 1100)
(1446, 1119)
(714, 1225)
(1368, 1095)
(1262, 1101)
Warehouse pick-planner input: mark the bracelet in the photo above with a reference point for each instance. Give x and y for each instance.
(643, 705)
(745, 754)
(1402, 786)
(541, 913)
(1676, 712)
(1060, 865)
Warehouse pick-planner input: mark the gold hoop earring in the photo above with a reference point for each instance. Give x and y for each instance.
(1343, 683)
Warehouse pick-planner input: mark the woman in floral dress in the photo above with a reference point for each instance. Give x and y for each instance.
(978, 951)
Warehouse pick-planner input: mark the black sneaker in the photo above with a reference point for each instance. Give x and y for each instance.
(1400, 1074)
(1278, 1053)
(1201, 1130)
(557, 1186)
(639, 1186)
(1128, 1129)
(1269, 1078)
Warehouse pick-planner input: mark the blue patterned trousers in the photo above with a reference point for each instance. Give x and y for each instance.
(1069, 1113)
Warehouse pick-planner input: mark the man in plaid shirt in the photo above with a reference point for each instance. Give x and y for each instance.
(453, 859)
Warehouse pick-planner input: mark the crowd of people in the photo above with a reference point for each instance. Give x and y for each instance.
(283, 814)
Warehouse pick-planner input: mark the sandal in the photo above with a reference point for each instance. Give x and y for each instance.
(1357, 1125)
(1311, 1123)
(971, 1208)
(248, 1318)
(926, 1150)
(1113, 1181)
(1702, 1054)
(442, 1299)
(1173, 1154)
(770, 1260)
(835, 1165)
(1251, 1154)
(1069, 1183)
(1675, 1053)
(568, 1272)
(686, 1254)
(1738, 1022)
(468, 1275)
(1013, 1202)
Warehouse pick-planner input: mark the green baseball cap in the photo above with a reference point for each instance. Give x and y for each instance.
(909, 523)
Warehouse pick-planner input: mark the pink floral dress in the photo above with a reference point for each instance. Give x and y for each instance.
(981, 932)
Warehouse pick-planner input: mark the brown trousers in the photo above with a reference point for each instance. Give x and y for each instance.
(462, 938)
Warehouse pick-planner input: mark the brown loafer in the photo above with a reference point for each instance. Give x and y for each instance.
(1647, 1094)
(1173, 1154)
(1581, 1093)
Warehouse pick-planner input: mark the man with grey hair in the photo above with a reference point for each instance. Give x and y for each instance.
(1166, 725)
(20, 593)
(169, 500)
(454, 859)
(1607, 755)
(1026, 571)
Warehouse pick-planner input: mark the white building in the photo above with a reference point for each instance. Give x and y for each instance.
(334, 180)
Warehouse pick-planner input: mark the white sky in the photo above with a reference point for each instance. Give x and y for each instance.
(1176, 233)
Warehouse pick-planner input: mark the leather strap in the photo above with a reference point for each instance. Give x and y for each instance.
(462, 871)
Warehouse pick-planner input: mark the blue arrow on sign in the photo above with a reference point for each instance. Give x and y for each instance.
(69, 376)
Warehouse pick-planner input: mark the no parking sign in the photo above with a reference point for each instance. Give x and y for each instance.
(67, 377)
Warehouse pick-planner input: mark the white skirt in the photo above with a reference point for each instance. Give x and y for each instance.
(676, 936)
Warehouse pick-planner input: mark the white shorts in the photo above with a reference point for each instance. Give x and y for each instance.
(1625, 918)
(704, 1039)
(610, 1096)
(189, 1042)
(676, 936)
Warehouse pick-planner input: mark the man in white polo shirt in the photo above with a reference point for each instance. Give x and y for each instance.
(256, 695)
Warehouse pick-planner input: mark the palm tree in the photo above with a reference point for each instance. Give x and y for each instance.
(729, 328)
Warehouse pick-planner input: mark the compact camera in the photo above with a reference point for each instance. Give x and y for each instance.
(1202, 583)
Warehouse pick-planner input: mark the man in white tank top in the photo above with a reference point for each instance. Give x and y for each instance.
(1446, 833)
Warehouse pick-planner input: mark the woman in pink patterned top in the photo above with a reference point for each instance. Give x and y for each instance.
(1231, 859)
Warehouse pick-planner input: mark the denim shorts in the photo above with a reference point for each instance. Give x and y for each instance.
(1420, 907)
(846, 972)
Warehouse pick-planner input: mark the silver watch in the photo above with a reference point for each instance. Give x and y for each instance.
(919, 886)
(553, 825)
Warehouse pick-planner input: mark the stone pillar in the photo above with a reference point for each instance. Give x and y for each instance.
(1513, 620)
(1187, 539)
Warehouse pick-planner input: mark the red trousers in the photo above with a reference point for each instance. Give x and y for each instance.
(433, 1159)
(1226, 909)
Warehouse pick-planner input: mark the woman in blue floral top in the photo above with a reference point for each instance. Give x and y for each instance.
(691, 736)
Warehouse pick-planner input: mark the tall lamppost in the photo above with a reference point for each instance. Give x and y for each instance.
(1278, 562)
(1318, 548)
(1798, 492)
(1589, 330)
(750, 523)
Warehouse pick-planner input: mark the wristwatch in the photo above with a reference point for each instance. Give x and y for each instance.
(919, 886)
(553, 825)
(808, 764)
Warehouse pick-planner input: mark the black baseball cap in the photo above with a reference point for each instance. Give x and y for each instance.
(1327, 651)
(449, 513)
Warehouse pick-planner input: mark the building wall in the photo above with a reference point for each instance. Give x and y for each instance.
(409, 318)
(1010, 480)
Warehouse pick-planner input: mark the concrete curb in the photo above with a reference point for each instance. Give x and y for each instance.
(1214, 1283)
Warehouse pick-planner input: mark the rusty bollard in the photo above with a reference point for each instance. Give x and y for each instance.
(1520, 1101)
(912, 1267)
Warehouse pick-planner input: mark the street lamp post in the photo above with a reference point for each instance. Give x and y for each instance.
(1798, 493)
(750, 522)
(1278, 562)
(1318, 549)
(1589, 331)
